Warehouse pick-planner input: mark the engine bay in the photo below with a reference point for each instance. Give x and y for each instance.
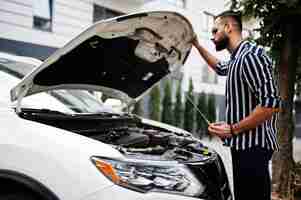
(151, 143)
(128, 134)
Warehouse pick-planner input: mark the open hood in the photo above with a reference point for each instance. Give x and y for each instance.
(122, 57)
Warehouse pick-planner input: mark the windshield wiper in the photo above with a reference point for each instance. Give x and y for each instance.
(101, 114)
(42, 111)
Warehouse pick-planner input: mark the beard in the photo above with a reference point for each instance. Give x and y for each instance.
(222, 44)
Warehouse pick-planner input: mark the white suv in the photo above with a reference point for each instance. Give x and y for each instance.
(59, 142)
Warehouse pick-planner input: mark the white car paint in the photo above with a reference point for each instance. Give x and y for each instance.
(59, 159)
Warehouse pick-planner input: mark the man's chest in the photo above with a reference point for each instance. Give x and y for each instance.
(234, 75)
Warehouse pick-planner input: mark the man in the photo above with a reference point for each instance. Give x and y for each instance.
(251, 103)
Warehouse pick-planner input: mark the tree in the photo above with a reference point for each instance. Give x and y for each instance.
(154, 105)
(201, 124)
(279, 29)
(178, 109)
(211, 108)
(167, 115)
(189, 110)
(283, 163)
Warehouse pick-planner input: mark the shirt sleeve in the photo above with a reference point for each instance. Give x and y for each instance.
(222, 68)
(257, 72)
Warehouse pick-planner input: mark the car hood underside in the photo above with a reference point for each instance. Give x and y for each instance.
(121, 57)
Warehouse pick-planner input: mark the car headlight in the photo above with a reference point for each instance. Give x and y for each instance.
(150, 176)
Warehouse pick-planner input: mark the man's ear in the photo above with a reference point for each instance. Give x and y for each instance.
(228, 28)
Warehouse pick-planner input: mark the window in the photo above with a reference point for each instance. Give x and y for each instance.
(208, 21)
(208, 76)
(100, 13)
(42, 14)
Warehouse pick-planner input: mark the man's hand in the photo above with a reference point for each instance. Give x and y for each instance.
(220, 129)
(208, 57)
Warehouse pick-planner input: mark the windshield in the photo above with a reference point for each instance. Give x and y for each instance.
(67, 101)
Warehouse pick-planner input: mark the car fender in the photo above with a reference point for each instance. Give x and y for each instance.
(47, 154)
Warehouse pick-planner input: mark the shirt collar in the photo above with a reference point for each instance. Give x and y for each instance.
(238, 49)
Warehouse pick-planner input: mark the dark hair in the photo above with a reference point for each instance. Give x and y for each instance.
(233, 14)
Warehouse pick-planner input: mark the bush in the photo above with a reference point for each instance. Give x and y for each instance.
(154, 104)
(178, 110)
(189, 109)
(201, 124)
(211, 108)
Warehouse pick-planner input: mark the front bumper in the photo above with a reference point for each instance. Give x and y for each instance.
(212, 173)
(119, 193)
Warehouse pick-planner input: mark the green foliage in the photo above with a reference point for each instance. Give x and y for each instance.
(167, 114)
(274, 15)
(211, 109)
(178, 109)
(189, 109)
(154, 105)
(138, 109)
(201, 124)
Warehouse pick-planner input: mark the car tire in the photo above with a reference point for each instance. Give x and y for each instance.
(18, 196)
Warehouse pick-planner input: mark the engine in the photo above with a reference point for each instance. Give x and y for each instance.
(128, 134)
(155, 144)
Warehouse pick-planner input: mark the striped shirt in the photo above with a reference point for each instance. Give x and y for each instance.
(249, 84)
